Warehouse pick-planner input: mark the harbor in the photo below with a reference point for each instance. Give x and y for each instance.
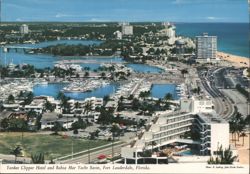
(84, 86)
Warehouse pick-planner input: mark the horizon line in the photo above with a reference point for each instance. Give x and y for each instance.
(112, 22)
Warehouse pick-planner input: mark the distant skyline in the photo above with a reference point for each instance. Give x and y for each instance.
(125, 10)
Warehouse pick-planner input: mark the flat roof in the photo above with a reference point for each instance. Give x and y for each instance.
(52, 116)
(211, 118)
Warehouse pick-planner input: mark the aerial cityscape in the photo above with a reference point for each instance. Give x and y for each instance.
(123, 91)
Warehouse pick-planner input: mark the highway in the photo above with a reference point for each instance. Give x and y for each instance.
(222, 103)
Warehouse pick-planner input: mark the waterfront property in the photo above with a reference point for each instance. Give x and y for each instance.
(207, 132)
(206, 48)
(52, 89)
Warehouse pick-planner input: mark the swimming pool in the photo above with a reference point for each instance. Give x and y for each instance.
(186, 153)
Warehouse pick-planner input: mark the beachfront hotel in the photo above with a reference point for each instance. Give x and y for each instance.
(127, 29)
(206, 48)
(169, 131)
(24, 29)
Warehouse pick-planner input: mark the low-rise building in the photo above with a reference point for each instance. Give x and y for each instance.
(48, 121)
(118, 35)
(196, 105)
(36, 105)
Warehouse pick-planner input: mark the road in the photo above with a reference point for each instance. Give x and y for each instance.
(93, 156)
(240, 101)
(222, 103)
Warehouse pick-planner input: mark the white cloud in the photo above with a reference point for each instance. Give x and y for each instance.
(178, 2)
(60, 15)
(186, 1)
(98, 20)
(213, 18)
(19, 19)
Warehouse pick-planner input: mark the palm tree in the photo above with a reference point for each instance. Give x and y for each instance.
(232, 130)
(77, 105)
(4, 123)
(87, 109)
(57, 127)
(243, 135)
(240, 124)
(106, 98)
(184, 71)
(152, 143)
(16, 151)
(224, 157)
(11, 99)
(38, 158)
(247, 120)
(168, 96)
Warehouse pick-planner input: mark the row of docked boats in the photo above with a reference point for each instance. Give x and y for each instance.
(84, 86)
(181, 90)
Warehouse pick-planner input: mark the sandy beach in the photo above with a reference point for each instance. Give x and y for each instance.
(237, 61)
(243, 150)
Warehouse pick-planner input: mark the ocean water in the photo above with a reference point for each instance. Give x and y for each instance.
(232, 38)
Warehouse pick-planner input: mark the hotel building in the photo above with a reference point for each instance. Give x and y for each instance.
(24, 29)
(127, 29)
(196, 116)
(206, 48)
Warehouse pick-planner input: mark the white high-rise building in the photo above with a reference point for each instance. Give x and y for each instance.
(127, 29)
(206, 47)
(24, 29)
(170, 32)
(118, 35)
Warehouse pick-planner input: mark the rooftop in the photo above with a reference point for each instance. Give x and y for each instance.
(211, 118)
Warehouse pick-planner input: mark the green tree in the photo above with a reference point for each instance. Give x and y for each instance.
(168, 96)
(49, 106)
(29, 98)
(184, 71)
(57, 127)
(11, 99)
(223, 157)
(80, 124)
(106, 98)
(243, 135)
(87, 109)
(152, 143)
(86, 74)
(38, 158)
(106, 116)
(239, 123)
(5, 123)
(75, 131)
(135, 104)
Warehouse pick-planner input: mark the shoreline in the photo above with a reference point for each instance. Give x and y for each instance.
(235, 60)
(84, 57)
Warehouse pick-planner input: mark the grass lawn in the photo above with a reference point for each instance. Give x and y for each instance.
(51, 145)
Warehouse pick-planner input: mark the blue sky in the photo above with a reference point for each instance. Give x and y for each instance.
(126, 10)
